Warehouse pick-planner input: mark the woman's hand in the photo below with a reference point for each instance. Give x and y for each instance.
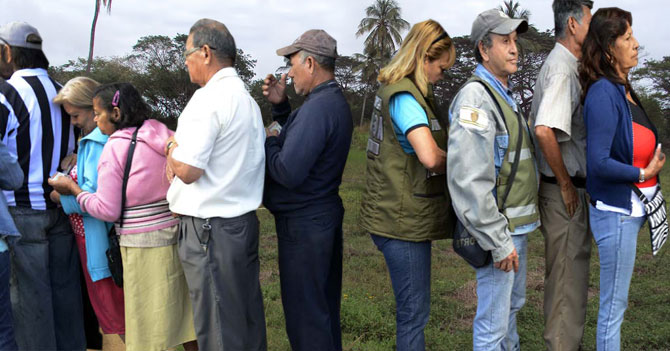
(656, 164)
(68, 162)
(64, 185)
(54, 196)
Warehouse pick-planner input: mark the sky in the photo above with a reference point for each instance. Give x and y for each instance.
(260, 27)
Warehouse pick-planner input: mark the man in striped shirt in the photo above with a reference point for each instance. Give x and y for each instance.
(46, 295)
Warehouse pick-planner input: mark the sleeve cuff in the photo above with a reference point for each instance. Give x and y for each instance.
(502, 252)
(178, 155)
(281, 109)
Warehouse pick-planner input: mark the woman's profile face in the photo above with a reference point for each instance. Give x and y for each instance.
(435, 68)
(103, 117)
(625, 51)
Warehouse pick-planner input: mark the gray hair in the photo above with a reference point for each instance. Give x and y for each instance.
(563, 10)
(327, 63)
(215, 34)
(487, 41)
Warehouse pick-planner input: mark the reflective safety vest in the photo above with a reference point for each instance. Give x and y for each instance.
(402, 199)
(520, 207)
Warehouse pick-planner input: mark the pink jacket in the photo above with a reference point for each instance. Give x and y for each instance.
(147, 183)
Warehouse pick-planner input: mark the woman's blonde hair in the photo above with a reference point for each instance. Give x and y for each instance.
(419, 45)
(77, 92)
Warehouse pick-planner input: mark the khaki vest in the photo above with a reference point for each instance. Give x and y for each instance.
(520, 208)
(402, 199)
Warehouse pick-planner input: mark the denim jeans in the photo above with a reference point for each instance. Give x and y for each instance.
(409, 267)
(46, 292)
(7, 342)
(616, 237)
(310, 275)
(500, 295)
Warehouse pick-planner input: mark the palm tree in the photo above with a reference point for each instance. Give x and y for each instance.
(384, 24)
(513, 9)
(108, 5)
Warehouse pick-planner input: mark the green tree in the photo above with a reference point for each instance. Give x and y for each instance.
(658, 74)
(384, 25)
(107, 4)
(513, 9)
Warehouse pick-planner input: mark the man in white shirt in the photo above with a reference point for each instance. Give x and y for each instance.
(559, 129)
(217, 156)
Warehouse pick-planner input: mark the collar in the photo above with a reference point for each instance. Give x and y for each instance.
(29, 72)
(505, 92)
(96, 135)
(566, 53)
(223, 73)
(325, 85)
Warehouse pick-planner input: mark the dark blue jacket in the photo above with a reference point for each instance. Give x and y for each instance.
(609, 144)
(304, 164)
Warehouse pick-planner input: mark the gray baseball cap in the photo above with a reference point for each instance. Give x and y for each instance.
(497, 22)
(21, 34)
(316, 41)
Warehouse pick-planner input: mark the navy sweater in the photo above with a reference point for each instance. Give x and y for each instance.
(609, 144)
(304, 164)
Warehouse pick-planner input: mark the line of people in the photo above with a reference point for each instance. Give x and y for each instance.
(190, 234)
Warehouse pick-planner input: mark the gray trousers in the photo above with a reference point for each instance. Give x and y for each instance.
(567, 243)
(45, 290)
(220, 261)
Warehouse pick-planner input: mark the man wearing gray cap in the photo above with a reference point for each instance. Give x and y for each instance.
(556, 114)
(492, 178)
(46, 295)
(304, 165)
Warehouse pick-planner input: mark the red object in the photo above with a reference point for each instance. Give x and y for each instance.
(644, 146)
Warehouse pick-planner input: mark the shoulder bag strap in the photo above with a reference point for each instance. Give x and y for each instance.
(519, 144)
(126, 173)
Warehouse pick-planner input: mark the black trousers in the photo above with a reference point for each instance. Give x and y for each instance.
(310, 270)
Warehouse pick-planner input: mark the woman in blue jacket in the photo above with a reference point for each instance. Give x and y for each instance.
(622, 152)
(11, 178)
(90, 233)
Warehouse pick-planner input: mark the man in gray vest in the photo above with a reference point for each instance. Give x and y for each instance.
(559, 129)
(492, 178)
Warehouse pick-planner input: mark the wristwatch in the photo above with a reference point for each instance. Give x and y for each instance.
(169, 146)
(641, 180)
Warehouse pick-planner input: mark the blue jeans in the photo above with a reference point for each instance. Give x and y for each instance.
(500, 295)
(46, 292)
(616, 237)
(7, 342)
(409, 267)
(310, 272)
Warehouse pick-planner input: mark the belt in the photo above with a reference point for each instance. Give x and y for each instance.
(578, 182)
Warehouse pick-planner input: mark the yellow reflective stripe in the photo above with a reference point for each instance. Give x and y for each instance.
(520, 211)
(525, 154)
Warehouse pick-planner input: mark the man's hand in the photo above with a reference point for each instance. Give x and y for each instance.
(169, 173)
(509, 263)
(570, 199)
(54, 196)
(274, 90)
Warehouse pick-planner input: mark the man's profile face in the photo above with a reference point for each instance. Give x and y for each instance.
(194, 62)
(299, 73)
(583, 28)
(503, 55)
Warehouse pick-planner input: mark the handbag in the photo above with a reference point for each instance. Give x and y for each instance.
(113, 253)
(464, 244)
(657, 217)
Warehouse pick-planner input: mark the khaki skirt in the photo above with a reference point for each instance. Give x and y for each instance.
(159, 315)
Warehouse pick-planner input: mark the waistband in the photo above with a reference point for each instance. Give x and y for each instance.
(578, 182)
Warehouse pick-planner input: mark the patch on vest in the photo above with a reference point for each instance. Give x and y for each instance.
(376, 121)
(373, 147)
(473, 119)
(435, 125)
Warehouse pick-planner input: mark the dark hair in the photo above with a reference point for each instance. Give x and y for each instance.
(598, 61)
(134, 111)
(564, 9)
(28, 58)
(487, 41)
(215, 34)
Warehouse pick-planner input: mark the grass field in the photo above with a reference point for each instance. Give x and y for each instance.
(368, 319)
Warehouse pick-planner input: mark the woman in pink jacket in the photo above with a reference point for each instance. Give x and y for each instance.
(157, 305)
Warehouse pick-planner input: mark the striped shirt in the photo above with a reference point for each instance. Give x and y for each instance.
(31, 126)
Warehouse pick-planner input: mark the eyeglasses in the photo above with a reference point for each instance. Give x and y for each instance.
(188, 52)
